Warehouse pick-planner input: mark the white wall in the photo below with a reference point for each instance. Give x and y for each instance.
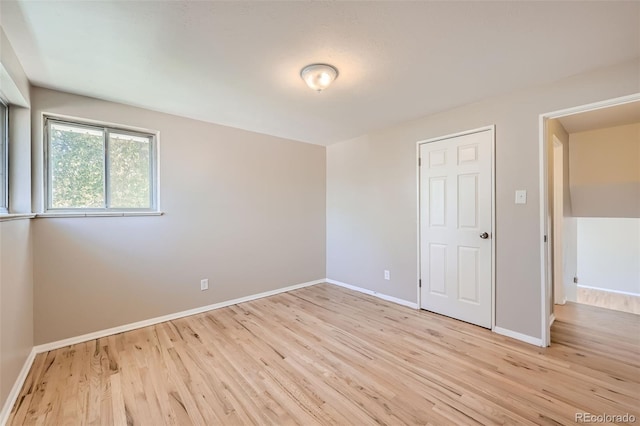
(372, 201)
(570, 257)
(609, 253)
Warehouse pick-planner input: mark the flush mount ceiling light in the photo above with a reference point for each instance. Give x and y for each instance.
(319, 76)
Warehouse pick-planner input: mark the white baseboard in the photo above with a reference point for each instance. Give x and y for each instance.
(552, 319)
(606, 290)
(519, 336)
(374, 293)
(17, 387)
(152, 321)
(145, 323)
(15, 390)
(503, 331)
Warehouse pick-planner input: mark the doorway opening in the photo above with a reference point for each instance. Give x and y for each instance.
(590, 206)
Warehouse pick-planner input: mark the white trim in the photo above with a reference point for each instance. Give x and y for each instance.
(492, 129)
(17, 387)
(455, 135)
(419, 251)
(97, 214)
(16, 216)
(382, 296)
(152, 321)
(544, 267)
(106, 129)
(552, 319)
(519, 336)
(145, 323)
(493, 226)
(74, 119)
(594, 106)
(606, 290)
(542, 152)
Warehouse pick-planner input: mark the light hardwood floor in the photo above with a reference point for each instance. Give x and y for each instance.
(327, 355)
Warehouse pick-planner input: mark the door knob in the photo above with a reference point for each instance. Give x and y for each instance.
(484, 235)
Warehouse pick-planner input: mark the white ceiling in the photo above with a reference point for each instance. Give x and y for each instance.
(617, 115)
(237, 63)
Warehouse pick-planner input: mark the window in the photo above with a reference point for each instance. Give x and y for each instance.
(4, 158)
(99, 168)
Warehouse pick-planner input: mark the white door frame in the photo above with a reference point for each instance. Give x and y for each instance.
(557, 240)
(545, 272)
(491, 128)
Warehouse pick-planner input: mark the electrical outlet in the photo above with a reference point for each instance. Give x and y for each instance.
(204, 284)
(521, 196)
(387, 276)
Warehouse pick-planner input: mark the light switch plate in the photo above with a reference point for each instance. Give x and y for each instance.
(521, 196)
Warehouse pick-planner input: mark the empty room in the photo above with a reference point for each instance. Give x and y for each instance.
(319, 212)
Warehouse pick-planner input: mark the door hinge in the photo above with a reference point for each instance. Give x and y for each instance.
(575, 280)
(419, 161)
(545, 238)
(420, 283)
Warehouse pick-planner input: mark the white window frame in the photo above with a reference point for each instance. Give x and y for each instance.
(4, 159)
(107, 129)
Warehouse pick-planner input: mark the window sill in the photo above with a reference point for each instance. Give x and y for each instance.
(96, 214)
(16, 216)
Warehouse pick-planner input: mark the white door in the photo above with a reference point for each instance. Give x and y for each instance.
(456, 179)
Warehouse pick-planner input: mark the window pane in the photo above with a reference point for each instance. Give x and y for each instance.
(129, 171)
(76, 161)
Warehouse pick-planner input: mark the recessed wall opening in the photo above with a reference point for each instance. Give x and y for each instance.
(590, 186)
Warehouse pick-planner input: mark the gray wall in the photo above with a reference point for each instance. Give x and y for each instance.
(16, 247)
(243, 209)
(605, 172)
(16, 301)
(372, 193)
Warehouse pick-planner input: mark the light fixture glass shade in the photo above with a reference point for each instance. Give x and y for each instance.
(319, 76)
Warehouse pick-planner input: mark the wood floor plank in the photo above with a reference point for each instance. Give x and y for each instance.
(326, 355)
